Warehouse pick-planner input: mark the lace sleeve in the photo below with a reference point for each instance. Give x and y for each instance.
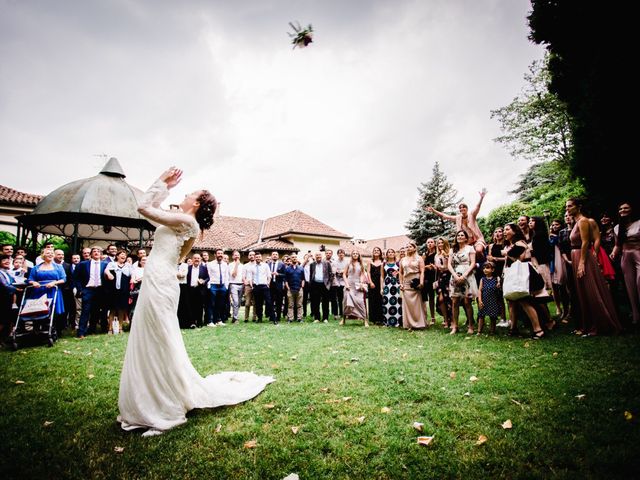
(150, 208)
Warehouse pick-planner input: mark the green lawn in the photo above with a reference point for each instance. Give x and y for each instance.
(565, 396)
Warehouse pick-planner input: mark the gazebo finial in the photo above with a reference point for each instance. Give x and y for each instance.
(113, 168)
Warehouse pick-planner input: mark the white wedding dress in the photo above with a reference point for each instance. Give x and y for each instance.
(159, 385)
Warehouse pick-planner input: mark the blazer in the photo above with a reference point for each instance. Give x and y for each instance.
(82, 273)
(277, 281)
(203, 273)
(327, 276)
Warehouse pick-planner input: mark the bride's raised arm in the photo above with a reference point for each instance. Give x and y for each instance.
(154, 196)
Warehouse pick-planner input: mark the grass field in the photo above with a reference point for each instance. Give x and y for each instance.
(566, 398)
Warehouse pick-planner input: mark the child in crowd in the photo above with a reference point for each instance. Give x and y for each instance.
(489, 298)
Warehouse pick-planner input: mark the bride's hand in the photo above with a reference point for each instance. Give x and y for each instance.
(171, 177)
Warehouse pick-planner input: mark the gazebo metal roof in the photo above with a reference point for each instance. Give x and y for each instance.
(103, 207)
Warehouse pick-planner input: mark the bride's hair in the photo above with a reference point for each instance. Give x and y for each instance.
(208, 205)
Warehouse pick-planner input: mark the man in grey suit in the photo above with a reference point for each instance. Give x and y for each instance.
(320, 278)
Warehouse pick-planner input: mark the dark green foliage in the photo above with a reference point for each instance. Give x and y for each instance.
(499, 217)
(6, 237)
(439, 194)
(591, 45)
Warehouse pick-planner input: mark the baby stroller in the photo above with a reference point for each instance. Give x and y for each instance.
(35, 316)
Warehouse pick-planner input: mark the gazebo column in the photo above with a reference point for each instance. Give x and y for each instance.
(74, 241)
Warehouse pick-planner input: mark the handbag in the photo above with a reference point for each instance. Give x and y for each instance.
(516, 281)
(35, 306)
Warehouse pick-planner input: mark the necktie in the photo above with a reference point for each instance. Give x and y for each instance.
(220, 270)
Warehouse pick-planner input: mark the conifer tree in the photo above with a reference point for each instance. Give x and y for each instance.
(441, 195)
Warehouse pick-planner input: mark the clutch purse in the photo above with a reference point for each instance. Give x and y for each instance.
(415, 282)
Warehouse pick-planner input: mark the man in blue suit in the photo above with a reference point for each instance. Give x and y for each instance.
(197, 280)
(89, 276)
(276, 287)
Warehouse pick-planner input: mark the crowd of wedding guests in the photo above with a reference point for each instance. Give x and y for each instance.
(576, 263)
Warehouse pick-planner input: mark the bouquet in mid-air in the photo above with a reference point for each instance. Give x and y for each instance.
(301, 37)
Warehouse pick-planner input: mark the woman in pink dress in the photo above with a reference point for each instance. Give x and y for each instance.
(628, 244)
(597, 311)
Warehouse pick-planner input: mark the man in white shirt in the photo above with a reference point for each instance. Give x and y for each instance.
(219, 288)
(259, 279)
(248, 290)
(236, 284)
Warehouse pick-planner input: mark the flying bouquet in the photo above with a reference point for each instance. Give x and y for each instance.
(301, 37)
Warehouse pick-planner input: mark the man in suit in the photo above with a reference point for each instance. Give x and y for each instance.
(276, 287)
(320, 277)
(66, 289)
(89, 276)
(197, 280)
(260, 278)
(77, 292)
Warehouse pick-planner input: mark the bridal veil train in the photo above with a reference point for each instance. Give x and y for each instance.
(159, 385)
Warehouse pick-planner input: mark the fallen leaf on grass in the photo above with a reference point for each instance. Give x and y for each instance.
(274, 365)
(385, 410)
(452, 375)
(19, 382)
(218, 428)
(418, 426)
(118, 449)
(405, 355)
(526, 344)
(516, 402)
(269, 406)
(580, 396)
(90, 376)
(355, 359)
(346, 399)
(292, 476)
(473, 378)
(555, 354)
(295, 430)
(467, 394)
(361, 419)
(47, 423)
(333, 400)
(426, 441)
(507, 425)
(66, 352)
(251, 444)
(481, 439)
(628, 416)
(324, 389)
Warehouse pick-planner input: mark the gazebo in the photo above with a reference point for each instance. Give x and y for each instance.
(103, 207)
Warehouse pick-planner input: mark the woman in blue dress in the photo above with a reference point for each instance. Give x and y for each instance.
(44, 278)
(391, 300)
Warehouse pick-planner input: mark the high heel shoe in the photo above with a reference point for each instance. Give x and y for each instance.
(538, 334)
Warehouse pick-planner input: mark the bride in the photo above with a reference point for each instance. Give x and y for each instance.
(159, 385)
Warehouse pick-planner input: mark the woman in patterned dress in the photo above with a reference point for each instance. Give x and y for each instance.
(391, 300)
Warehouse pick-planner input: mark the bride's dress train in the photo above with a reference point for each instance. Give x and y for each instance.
(159, 385)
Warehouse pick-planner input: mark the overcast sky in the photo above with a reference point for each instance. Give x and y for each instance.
(344, 130)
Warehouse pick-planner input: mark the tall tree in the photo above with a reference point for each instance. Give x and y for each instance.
(535, 125)
(441, 195)
(590, 45)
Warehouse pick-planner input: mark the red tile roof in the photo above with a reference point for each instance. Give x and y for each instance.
(14, 197)
(299, 222)
(237, 233)
(230, 233)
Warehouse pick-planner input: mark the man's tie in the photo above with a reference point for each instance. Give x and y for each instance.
(257, 274)
(220, 270)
